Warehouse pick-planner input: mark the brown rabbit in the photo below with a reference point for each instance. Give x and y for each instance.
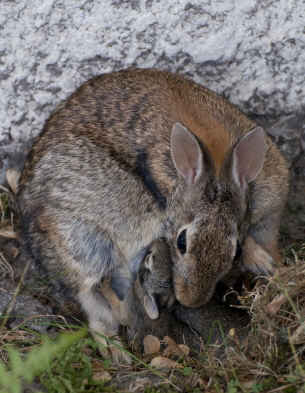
(136, 155)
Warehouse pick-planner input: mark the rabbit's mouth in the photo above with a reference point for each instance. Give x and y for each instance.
(190, 293)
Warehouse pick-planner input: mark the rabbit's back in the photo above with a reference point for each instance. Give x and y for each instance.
(117, 126)
(128, 116)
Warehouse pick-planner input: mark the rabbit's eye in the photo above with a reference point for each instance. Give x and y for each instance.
(181, 242)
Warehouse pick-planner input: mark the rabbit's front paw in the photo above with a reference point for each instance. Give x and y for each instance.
(113, 349)
(118, 353)
(256, 259)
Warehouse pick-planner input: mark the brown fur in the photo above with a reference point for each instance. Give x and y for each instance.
(100, 184)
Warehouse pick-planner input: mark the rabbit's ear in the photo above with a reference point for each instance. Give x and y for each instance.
(186, 154)
(248, 157)
(151, 307)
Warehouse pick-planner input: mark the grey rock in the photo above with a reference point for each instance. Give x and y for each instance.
(289, 134)
(250, 51)
(28, 312)
(293, 222)
(288, 131)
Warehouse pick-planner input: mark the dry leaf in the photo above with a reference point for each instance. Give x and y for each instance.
(298, 336)
(139, 385)
(195, 380)
(162, 362)
(232, 332)
(15, 252)
(169, 341)
(185, 349)
(12, 177)
(102, 375)
(274, 306)
(151, 344)
(173, 349)
(8, 232)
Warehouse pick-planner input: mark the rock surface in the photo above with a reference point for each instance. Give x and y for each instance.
(27, 312)
(251, 51)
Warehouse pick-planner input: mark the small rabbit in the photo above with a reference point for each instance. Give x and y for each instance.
(136, 155)
(148, 288)
(150, 282)
(151, 289)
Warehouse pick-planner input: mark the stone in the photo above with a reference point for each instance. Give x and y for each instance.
(289, 134)
(250, 51)
(28, 312)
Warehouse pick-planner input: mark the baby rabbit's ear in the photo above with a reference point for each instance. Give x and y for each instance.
(248, 157)
(151, 306)
(123, 277)
(186, 154)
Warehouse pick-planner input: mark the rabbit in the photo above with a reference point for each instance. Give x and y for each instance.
(148, 288)
(150, 282)
(149, 306)
(149, 297)
(140, 154)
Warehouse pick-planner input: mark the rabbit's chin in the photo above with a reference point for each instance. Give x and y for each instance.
(188, 295)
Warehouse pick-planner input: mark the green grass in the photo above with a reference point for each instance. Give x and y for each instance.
(21, 369)
(267, 362)
(74, 371)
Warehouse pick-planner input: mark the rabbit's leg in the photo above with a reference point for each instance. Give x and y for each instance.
(260, 250)
(91, 256)
(102, 323)
(256, 259)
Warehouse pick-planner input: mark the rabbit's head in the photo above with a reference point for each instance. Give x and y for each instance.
(207, 213)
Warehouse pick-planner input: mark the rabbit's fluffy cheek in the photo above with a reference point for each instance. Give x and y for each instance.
(195, 282)
(188, 284)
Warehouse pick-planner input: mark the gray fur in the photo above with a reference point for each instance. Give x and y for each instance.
(91, 248)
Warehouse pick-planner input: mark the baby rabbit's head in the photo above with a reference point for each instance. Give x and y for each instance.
(155, 279)
(208, 212)
(150, 281)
